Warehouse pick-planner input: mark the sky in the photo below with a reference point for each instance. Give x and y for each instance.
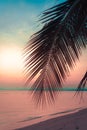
(18, 21)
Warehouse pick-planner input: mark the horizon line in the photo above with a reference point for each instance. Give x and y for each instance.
(45, 89)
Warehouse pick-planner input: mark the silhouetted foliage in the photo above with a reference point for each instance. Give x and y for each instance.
(82, 82)
(52, 51)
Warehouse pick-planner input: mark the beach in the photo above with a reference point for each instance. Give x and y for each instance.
(74, 121)
(18, 110)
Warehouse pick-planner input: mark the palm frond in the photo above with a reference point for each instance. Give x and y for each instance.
(82, 83)
(52, 51)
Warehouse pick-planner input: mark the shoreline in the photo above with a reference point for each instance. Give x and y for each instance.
(71, 121)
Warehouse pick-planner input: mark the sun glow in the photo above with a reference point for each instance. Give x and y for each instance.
(10, 58)
(11, 64)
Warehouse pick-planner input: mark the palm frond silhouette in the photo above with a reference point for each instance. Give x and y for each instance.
(53, 51)
(82, 83)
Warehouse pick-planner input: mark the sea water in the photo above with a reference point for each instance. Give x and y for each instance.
(17, 109)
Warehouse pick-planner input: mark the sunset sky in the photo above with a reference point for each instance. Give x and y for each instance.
(18, 21)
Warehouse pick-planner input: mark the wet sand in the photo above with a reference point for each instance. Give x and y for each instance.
(74, 121)
(17, 110)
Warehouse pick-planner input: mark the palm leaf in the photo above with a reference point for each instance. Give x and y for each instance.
(82, 83)
(52, 51)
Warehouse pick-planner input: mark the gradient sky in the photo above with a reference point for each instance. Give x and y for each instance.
(18, 21)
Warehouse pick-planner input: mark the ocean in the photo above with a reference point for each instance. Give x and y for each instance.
(17, 109)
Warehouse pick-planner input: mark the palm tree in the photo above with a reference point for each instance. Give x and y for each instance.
(82, 82)
(53, 51)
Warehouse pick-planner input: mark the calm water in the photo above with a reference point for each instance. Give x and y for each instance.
(17, 108)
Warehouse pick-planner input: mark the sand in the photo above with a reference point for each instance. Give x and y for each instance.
(74, 121)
